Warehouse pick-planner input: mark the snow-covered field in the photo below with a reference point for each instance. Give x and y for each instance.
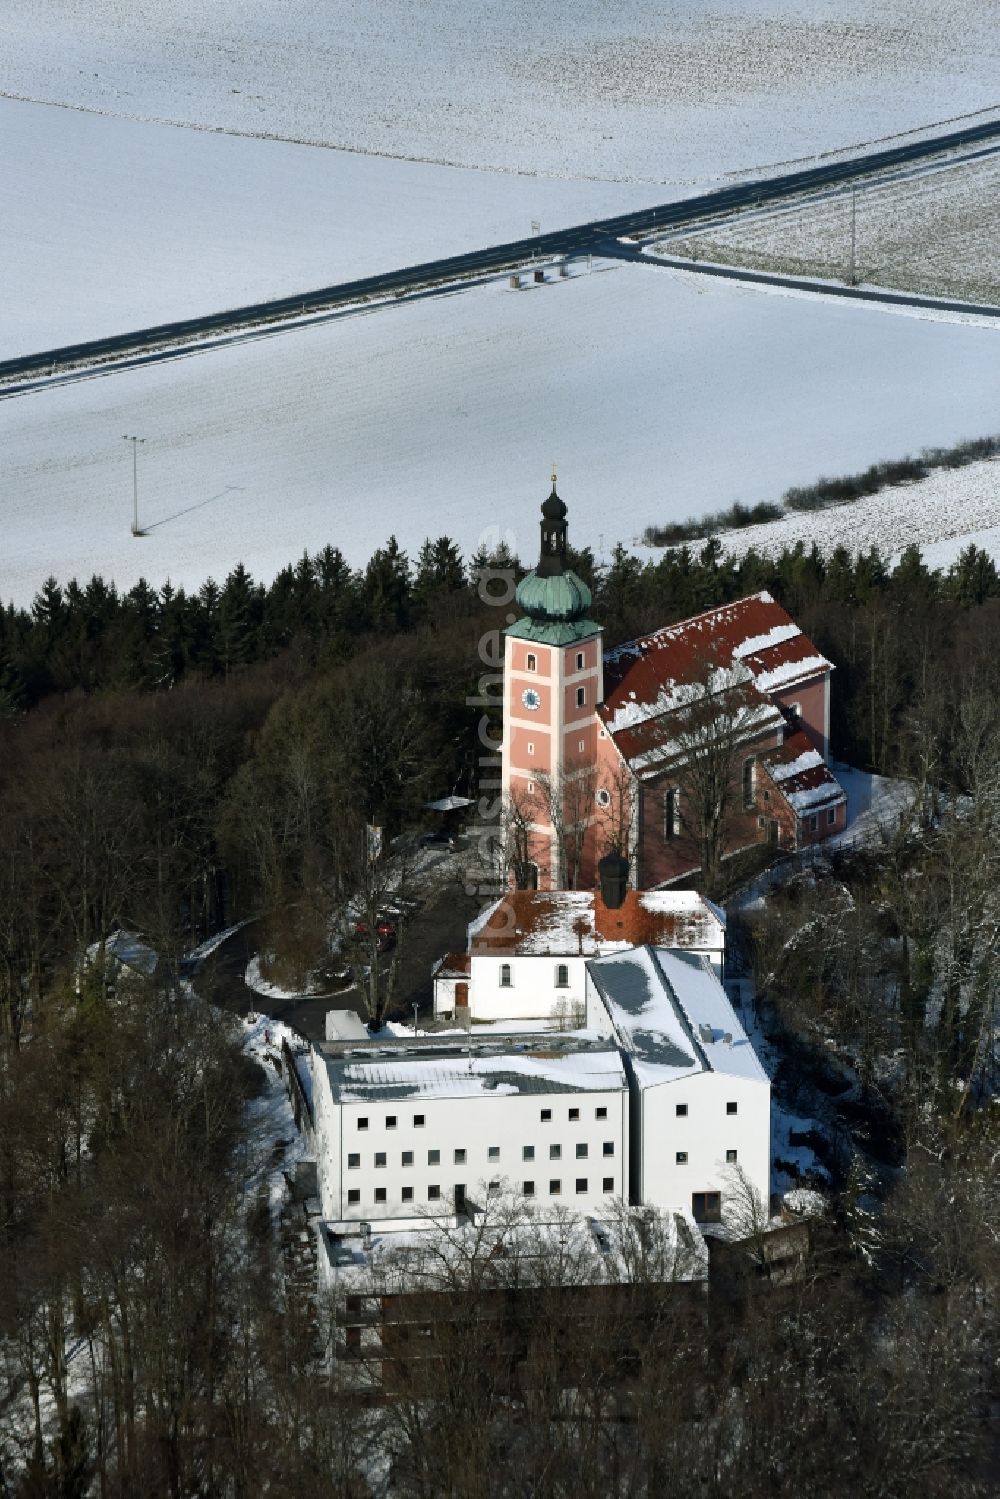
(110, 224)
(935, 232)
(941, 514)
(659, 394)
(653, 89)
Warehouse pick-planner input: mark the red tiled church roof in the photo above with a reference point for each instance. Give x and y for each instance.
(751, 645)
(569, 922)
(799, 773)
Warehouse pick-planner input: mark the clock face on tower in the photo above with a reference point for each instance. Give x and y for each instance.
(530, 698)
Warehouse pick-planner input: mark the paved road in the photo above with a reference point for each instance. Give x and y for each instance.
(582, 239)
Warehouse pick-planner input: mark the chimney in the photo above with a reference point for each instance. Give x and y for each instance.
(612, 872)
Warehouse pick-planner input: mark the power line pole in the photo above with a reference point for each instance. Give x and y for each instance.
(854, 235)
(135, 441)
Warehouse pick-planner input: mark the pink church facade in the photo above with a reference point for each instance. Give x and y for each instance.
(597, 745)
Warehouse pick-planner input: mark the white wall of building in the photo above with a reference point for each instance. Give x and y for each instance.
(533, 992)
(705, 1134)
(502, 1122)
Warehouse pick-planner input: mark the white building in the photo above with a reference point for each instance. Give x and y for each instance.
(527, 954)
(652, 1095)
(418, 1125)
(700, 1122)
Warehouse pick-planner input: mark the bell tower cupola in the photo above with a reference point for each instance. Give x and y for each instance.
(552, 553)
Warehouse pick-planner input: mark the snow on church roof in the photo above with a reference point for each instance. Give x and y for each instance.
(574, 922)
(752, 642)
(802, 776)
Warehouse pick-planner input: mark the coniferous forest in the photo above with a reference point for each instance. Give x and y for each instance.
(174, 763)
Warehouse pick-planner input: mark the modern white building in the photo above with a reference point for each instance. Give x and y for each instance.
(420, 1126)
(700, 1120)
(526, 955)
(651, 1094)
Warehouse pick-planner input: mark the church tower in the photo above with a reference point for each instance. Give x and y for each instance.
(553, 680)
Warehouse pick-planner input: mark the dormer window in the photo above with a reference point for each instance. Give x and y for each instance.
(506, 982)
(530, 665)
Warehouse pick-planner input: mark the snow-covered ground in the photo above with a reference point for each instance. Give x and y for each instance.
(928, 231)
(110, 224)
(942, 514)
(659, 394)
(638, 89)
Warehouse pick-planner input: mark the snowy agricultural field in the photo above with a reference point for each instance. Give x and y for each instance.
(657, 90)
(110, 224)
(659, 395)
(935, 232)
(941, 514)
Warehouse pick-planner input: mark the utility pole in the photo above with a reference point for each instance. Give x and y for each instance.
(135, 441)
(854, 235)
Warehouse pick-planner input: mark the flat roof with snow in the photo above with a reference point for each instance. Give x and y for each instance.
(673, 1016)
(560, 1064)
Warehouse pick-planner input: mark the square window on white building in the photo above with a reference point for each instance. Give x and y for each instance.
(528, 1153)
(527, 1189)
(379, 1160)
(555, 1152)
(582, 1151)
(380, 1194)
(493, 1153)
(407, 1194)
(434, 1158)
(730, 1157)
(418, 1121)
(601, 1113)
(354, 1161)
(581, 1184)
(353, 1196)
(433, 1193)
(609, 1184)
(681, 1110)
(555, 1187)
(362, 1124)
(390, 1121)
(562, 975)
(681, 1158)
(407, 1157)
(506, 976)
(459, 1157)
(574, 1114)
(609, 1147)
(732, 1108)
(546, 1116)
(493, 1185)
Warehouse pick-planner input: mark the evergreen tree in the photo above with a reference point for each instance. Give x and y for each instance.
(239, 619)
(387, 588)
(973, 578)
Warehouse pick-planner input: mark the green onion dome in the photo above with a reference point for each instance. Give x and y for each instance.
(561, 596)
